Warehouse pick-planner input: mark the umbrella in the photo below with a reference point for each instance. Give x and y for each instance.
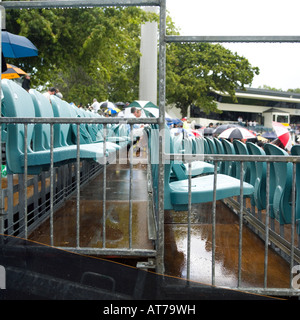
(223, 127)
(196, 133)
(283, 134)
(15, 46)
(12, 72)
(237, 133)
(149, 108)
(269, 135)
(111, 108)
(107, 104)
(208, 131)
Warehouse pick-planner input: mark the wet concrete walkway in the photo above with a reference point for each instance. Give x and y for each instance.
(227, 230)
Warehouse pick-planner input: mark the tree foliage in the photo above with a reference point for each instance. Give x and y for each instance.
(94, 52)
(195, 69)
(86, 53)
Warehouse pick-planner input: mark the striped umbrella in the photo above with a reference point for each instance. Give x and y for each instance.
(237, 133)
(283, 134)
(12, 72)
(148, 108)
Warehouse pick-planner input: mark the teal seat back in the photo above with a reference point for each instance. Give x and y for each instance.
(43, 109)
(258, 179)
(229, 165)
(17, 102)
(85, 136)
(199, 145)
(283, 185)
(211, 144)
(240, 148)
(296, 152)
(61, 130)
(220, 150)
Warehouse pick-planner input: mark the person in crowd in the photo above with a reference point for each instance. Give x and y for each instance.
(51, 91)
(58, 94)
(95, 105)
(26, 82)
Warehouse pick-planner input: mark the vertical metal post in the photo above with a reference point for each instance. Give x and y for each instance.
(162, 94)
(293, 224)
(213, 251)
(78, 188)
(130, 186)
(104, 189)
(189, 221)
(241, 224)
(267, 224)
(25, 180)
(51, 185)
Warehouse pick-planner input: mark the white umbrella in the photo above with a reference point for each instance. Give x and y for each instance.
(237, 133)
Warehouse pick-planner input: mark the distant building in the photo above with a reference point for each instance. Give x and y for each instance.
(260, 105)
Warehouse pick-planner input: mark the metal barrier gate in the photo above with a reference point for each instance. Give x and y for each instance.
(163, 40)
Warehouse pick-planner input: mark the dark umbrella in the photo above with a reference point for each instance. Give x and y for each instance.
(269, 135)
(223, 127)
(15, 46)
(208, 131)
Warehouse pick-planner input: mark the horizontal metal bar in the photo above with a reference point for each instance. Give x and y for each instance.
(232, 39)
(76, 4)
(271, 292)
(111, 252)
(230, 157)
(80, 120)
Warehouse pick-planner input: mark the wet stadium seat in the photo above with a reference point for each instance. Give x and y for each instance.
(229, 165)
(296, 152)
(241, 149)
(282, 185)
(176, 192)
(180, 169)
(220, 150)
(258, 179)
(19, 103)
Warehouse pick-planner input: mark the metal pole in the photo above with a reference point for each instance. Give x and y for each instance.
(51, 184)
(162, 94)
(267, 224)
(130, 185)
(25, 180)
(241, 224)
(78, 188)
(188, 272)
(293, 224)
(104, 190)
(213, 251)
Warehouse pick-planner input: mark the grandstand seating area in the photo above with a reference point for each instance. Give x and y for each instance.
(34, 146)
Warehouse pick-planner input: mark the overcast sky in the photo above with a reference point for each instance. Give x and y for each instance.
(279, 64)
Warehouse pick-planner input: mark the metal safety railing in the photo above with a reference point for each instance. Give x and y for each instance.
(269, 236)
(77, 172)
(163, 40)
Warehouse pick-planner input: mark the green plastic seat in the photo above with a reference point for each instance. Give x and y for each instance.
(258, 179)
(296, 152)
(229, 165)
(180, 170)
(220, 150)
(176, 192)
(282, 185)
(241, 148)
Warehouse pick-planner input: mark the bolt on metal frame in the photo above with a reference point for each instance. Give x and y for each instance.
(163, 40)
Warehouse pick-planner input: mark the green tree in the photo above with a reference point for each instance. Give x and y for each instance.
(86, 53)
(195, 69)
